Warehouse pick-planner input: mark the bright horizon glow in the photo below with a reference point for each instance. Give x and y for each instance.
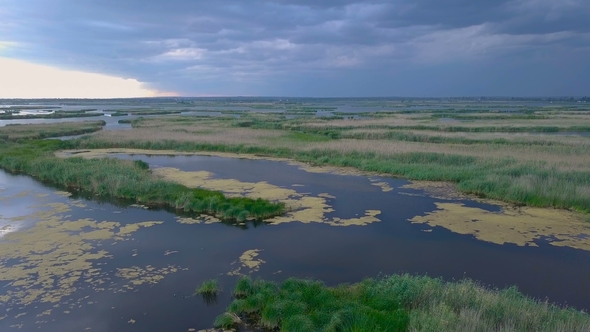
(20, 79)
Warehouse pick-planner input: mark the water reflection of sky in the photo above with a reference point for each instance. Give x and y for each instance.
(19, 199)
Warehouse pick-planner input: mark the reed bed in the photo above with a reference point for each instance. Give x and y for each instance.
(127, 180)
(191, 134)
(467, 137)
(56, 115)
(40, 131)
(563, 153)
(559, 157)
(506, 179)
(426, 123)
(394, 303)
(549, 171)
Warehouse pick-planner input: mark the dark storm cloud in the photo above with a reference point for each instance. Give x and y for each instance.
(279, 46)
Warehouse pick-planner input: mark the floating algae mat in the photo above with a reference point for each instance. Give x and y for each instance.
(518, 225)
(69, 263)
(303, 208)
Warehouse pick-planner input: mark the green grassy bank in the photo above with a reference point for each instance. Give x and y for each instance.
(133, 181)
(395, 303)
(55, 115)
(14, 132)
(505, 179)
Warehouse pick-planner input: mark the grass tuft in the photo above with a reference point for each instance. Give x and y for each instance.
(227, 321)
(208, 287)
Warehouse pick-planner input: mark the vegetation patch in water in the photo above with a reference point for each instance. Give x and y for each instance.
(55, 255)
(247, 261)
(208, 288)
(395, 303)
(300, 207)
(202, 219)
(128, 180)
(150, 275)
(385, 187)
(518, 225)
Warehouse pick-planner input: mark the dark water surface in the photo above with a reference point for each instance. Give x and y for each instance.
(333, 254)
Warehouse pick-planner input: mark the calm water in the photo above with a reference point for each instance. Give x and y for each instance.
(112, 122)
(333, 254)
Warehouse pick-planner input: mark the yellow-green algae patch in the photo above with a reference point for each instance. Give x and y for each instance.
(248, 261)
(147, 275)
(63, 193)
(369, 218)
(518, 225)
(132, 228)
(45, 262)
(301, 207)
(203, 219)
(5, 198)
(385, 187)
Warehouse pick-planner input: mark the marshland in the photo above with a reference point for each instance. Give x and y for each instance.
(298, 215)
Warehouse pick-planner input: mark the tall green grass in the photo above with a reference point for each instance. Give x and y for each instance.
(507, 179)
(395, 303)
(55, 115)
(129, 180)
(402, 135)
(490, 117)
(446, 128)
(305, 305)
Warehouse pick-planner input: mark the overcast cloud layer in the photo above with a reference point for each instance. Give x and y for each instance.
(312, 47)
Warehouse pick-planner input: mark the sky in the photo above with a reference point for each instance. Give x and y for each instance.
(315, 48)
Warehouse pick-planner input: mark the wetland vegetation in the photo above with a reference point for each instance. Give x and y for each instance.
(501, 151)
(499, 159)
(208, 288)
(58, 114)
(394, 303)
(39, 131)
(144, 112)
(133, 181)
